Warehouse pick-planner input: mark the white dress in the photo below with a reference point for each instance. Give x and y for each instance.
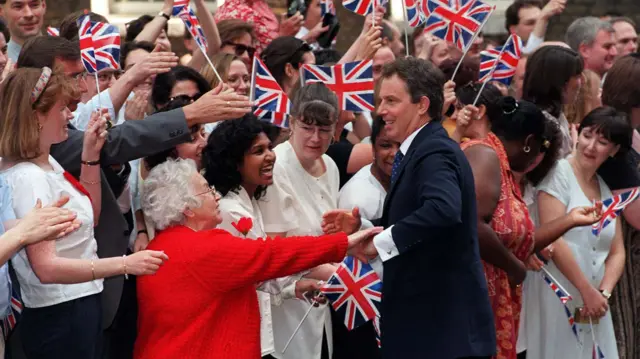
(294, 205)
(234, 206)
(548, 334)
(365, 192)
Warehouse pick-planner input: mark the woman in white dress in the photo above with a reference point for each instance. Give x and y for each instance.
(368, 188)
(586, 265)
(60, 281)
(238, 161)
(305, 186)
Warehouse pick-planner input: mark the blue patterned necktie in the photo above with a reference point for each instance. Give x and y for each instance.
(396, 166)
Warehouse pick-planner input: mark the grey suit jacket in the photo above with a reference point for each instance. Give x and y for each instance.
(125, 142)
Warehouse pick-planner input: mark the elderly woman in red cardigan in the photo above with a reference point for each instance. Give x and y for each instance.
(202, 303)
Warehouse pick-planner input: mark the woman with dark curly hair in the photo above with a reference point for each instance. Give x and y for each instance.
(181, 81)
(238, 161)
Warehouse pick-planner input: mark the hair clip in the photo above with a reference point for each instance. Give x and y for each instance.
(38, 89)
(509, 105)
(546, 144)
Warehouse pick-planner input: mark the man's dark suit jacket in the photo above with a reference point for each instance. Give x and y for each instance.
(435, 302)
(126, 142)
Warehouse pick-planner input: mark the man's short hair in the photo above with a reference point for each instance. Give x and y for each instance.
(584, 31)
(69, 25)
(421, 78)
(512, 15)
(387, 31)
(618, 19)
(41, 51)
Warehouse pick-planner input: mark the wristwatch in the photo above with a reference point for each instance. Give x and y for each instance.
(606, 294)
(164, 15)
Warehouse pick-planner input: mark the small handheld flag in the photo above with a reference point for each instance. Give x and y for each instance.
(178, 5)
(86, 44)
(272, 103)
(355, 291)
(52, 31)
(352, 82)
(363, 7)
(612, 207)
(456, 21)
(412, 12)
(500, 64)
(106, 43)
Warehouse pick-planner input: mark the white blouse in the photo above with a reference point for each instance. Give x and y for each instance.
(29, 183)
(234, 206)
(365, 192)
(294, 204)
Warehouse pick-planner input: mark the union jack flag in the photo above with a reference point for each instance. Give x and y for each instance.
(86, 44)
(352, 82)
(178, 5)
(363, 7)
(9, 322)
(560, 293)
(272, 102)
(414, 17)
(424, 10)
(456, 21)
(612, 207)
(572, 322)
(106, 43)
(193, 26)
(327, 7)
(500, 64)
(597, 353)
(52, 31)
(355, 291)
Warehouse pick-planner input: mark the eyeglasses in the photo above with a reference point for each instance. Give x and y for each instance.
(240, 49)
(80, 76)
(324, 132)
(212, 189)
(186, 98)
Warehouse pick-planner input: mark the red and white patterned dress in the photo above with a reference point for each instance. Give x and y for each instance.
(513, 225)
(257, 12)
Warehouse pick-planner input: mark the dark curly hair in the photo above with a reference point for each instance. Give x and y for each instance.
(225, 150)
(160, 157)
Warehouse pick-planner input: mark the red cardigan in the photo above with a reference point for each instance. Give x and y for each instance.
(202, 303)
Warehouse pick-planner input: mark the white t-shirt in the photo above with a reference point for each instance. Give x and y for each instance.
(294, 204)
(365, 192)
(29, 183)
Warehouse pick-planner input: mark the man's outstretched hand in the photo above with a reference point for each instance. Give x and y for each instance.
(341, 220)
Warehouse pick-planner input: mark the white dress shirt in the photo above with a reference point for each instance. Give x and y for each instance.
(82, 114)
(384, 240)
(234, 206)
(532, 44)
(365, 192)
(294, 205)
(29, 183)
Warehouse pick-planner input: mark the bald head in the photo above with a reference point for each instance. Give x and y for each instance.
(382, 57)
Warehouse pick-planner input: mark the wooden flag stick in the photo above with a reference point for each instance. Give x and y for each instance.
(253, 81)
(406, 22)
(98, 88)
(466, 49)
(299, 325)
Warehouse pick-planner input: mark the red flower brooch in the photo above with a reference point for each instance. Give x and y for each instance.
(243, 225)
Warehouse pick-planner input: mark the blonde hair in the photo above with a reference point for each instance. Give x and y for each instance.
(222, 62)
(19, 127)
(577, 110)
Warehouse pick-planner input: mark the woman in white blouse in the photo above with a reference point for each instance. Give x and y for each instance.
(368, 188)
(588, 266)
(305, 186)
(238, 161)
(60, 280)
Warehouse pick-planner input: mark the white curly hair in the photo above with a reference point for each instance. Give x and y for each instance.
(167, 192)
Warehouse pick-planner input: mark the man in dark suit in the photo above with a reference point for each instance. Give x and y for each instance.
(435, 301)
(125, 142)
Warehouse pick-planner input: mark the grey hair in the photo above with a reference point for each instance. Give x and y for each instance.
(167, 192)
(584, 31)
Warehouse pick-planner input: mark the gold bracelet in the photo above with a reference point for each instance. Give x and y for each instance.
(93, 269)
(124, 264)
(89, 182)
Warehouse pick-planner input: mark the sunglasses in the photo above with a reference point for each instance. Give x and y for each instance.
(186, 98)
(240, 49)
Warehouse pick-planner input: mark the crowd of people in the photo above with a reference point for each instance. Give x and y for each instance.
(125, 195)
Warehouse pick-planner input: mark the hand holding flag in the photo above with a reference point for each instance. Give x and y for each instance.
(613, 207)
